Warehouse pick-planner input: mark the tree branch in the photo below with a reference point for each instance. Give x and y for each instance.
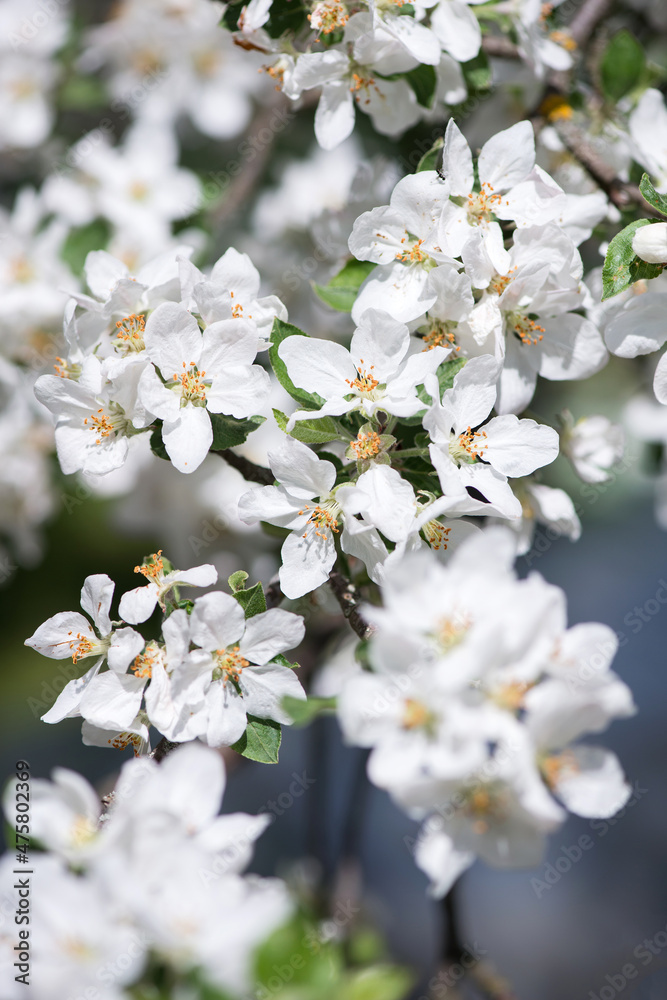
(348, 598)
(253, 473)
(163, 748)
(499, 47)
(585, 21)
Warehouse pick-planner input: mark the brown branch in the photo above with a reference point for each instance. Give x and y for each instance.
(585, 21)
(253, 473)
(620, 193)
(163, 748)
(499, 47)
(348, 598)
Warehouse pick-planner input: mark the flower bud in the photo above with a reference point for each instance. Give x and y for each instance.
(650, 243)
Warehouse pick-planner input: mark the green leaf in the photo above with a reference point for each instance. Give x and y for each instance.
(312, 431)
(228, 432)
(315, 964)
(82, 240)
(650, 194)
(379, 982)
(237, 580)
(447, 372)
(303, 712)
(621, 66)
(283, 661)
(281, 331)
(157, 444)
(477, 72)
(83, 93)
(423, 81)
(621, 266)
(431, 158)
(286, 15)
(252, 601)
(261, 741)
(340, 293)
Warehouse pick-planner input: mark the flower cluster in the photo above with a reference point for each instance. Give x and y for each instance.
(477, 698)
(217, 665)
(111, 907)
(166, 344)
(396, 65)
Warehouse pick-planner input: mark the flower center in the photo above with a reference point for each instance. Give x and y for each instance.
(415, 715)
(467, 447)
(190, 383)
(237, 310)
(82, 831)
(83, 645)
(511, 696)
(482, 204)
(328, 16)
(450, 632)
(153, 568)
(555, 766)
(130, 334)
(412, 254)
(105, 424)
(436, 534)
(324, 517)
(481, 806)
(527, 330)
(21, 270)
(365, 381)
(501, 281)
(359, 83)
(124, 740)
(366, 445)
(228, 664)
(65, 370)
(143, 664)
(564, 39)
(441, 334)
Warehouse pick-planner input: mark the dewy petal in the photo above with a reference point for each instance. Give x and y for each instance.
(300, 471)
(660, 380)
(139, 604)
(306, 562)
(334, 118)
(320, 366)
(270, 633)
(517, 447)
(239, 391)
(126, 644)
(380, 341)
(217, 621)
(56, 637)
(112, 700)
(264, 688)
(173, 338)
(96, 596)
(68, 701)
(227, 719)
(187, 439)
(595, 786)
(507, 157)
(457, 29)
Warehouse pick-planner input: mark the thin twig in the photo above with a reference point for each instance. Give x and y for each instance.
(348, 598)
(253, 473)
(585, 21)
(499, 47)
(163, 748)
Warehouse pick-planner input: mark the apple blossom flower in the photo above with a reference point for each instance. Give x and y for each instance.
(592, 444)
(201, 374)
(139, 604)
(375, 374)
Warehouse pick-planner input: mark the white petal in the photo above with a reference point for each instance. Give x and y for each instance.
(96, 595)
(270, 633)
(217, 621)
(265, 687)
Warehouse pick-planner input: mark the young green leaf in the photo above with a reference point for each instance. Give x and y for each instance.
(261, 741)
(228, 432)
(621, 65)
(312, 431)
(280, 331)
(423, 81)
(237, 580)
(252, 601)
(658, 201)
(621, 266)
(303, 712)
(340, 293)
